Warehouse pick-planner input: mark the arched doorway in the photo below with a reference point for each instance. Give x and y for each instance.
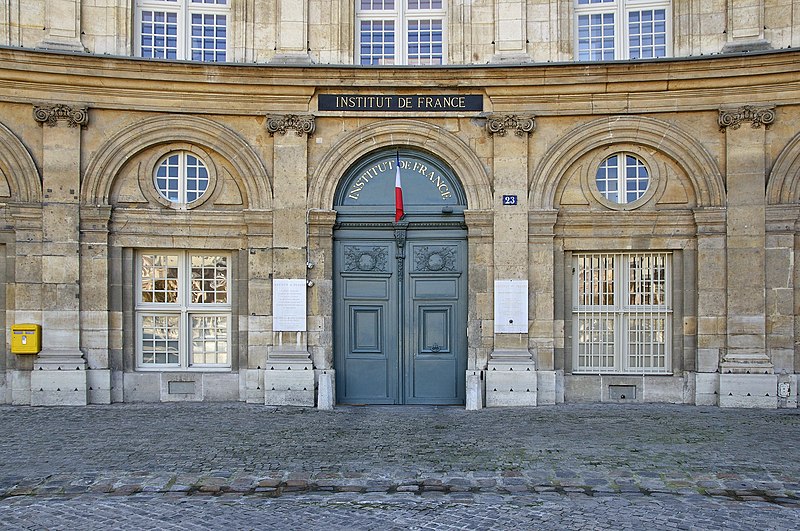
(400, 300)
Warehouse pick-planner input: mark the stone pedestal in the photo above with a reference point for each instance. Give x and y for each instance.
(289, 379)
(748, 390)
(64, 385)
(511, 379)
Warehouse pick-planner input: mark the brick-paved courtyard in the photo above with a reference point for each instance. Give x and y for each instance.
(210, 466)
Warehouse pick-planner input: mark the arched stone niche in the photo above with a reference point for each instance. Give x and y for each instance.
(19, 178)
(783, 186)
(132, 144)
(670, 150)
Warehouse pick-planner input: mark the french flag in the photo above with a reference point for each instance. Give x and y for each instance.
(398, 192)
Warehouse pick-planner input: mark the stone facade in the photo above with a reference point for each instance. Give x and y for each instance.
(83, 128)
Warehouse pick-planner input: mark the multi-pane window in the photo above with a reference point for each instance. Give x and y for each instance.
(622, 312)
(622, 178)
(622, 29)
(183, 310)
(183, 29)
(181, 178)
(391, 32)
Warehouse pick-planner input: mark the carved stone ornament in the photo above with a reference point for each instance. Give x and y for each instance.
(501, 124)
(51, 114)
(365, 258)
(435, 259)
(756, 115)
(280, 123)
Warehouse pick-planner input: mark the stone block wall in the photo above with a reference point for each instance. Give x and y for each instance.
(77, 199)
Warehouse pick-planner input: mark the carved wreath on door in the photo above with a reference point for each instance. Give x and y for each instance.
(435, 258)
(365, 258)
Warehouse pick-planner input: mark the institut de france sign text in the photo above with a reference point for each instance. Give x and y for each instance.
(394, 102)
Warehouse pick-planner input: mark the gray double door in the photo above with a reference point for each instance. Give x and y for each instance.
(400, 316)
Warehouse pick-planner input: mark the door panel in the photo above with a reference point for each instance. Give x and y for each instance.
(400, 338)
(365, 306)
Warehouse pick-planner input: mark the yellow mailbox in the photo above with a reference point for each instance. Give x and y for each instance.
(26, 338)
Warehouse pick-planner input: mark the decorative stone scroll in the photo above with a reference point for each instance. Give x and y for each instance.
(280, 123)
(500, 124)
(51, 114)
(756, 115)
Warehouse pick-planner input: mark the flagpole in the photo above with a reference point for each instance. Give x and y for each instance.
(399, 212)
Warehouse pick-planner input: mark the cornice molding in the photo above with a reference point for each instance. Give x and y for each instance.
(281, 123)
(50, 115)
(500, 124)
(757, 115)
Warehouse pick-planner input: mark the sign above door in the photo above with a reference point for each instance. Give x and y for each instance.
(401, 103)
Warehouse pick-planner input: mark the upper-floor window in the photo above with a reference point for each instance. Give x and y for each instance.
(182, 29)
(622, 29)
(397, 32)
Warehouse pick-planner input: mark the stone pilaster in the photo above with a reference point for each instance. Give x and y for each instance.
(63, 26)
(711, 303)
(780, 297)
(745, 28)
(259, 293)
(510, 32)
(292, 33)
(747, 377)
(541, 298)
(289, 376)
(320, 303)
(511, 372)
(59, 372)
(26, 292)
(94, 310)
(480, 336)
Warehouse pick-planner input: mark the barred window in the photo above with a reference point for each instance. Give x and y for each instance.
(394, 32)
(622, 29)
(183, 310)
(183, 29)
(622, 313)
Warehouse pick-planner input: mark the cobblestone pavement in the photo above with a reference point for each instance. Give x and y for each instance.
(209, 466)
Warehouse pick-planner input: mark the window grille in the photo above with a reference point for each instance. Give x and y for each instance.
(622, 312)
